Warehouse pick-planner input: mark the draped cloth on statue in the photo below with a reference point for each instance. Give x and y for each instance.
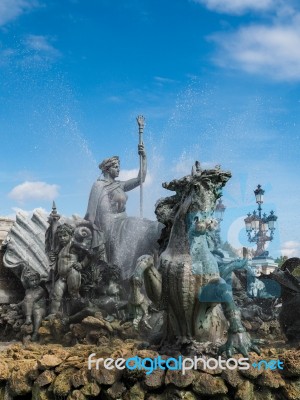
(127, 238)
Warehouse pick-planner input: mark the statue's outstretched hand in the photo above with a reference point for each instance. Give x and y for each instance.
(239, 342)
(141, 150)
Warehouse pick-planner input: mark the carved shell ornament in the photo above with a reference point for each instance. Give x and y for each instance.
(82, 237)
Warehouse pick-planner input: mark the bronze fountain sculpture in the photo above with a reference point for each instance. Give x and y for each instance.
(187, 298)
(116, 286)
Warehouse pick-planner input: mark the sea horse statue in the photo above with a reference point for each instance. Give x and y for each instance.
(187, 283)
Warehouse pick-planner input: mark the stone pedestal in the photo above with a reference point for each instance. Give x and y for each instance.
(263, 264)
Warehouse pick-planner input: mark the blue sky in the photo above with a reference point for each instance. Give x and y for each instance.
(217, 80)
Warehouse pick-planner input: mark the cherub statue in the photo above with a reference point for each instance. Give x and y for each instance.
(105, 295)
(34, 302)
(74, 246)
(109, 293)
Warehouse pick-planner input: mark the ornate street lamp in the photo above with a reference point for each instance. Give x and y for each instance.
(259, 194)
(219, 213)
(258, 226)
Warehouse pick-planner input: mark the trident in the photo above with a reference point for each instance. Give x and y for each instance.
(141, 123)
(50, 243)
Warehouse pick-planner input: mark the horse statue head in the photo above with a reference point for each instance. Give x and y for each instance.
(195, 198)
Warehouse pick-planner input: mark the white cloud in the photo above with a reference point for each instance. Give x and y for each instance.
(12, 9)
(36, 50)
(268, 50)
(39, 43)
(291, 249)
(237, 6)
(126, 174)
(34, 191)
(40, 46)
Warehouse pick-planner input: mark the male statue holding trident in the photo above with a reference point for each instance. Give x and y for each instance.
(127, 238)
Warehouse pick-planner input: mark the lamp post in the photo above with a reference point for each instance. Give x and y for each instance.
(258, 225)
(219, 213)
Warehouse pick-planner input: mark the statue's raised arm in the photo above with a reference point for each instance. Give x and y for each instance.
(133, 183)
